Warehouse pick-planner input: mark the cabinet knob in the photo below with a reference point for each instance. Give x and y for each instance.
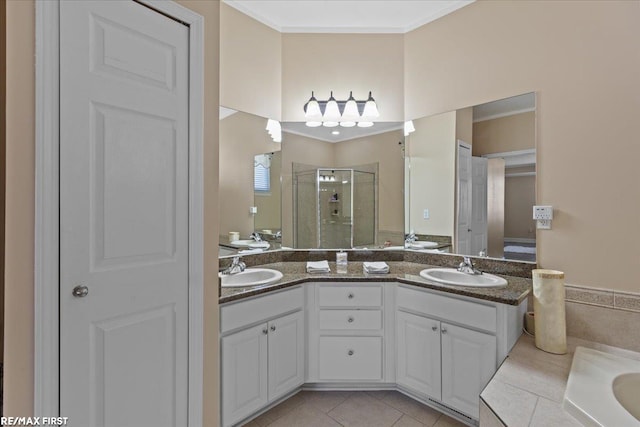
(350, 319)
(80, 291)
(444, 330)
(273, 328)
(434, 328)
(350, 296)
(350, 352)
(265, 331)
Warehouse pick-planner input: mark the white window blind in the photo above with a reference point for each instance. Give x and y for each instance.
(261, 174)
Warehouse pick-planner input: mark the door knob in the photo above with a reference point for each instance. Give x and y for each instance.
(80, 291)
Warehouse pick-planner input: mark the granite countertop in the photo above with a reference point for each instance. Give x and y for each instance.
(529, 386)
(399, 271)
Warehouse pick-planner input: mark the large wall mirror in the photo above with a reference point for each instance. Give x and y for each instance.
(471, 179)
(250, 184)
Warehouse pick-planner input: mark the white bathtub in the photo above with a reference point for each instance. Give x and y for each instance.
(603, 389)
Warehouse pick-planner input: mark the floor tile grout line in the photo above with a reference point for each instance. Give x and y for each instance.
(534, 411)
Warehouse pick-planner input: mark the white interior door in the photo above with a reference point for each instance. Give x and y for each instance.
(479, 224)
(123, 215)
(464, 183)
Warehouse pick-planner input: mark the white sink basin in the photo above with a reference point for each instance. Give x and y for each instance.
(243, 243)
(626, 389)
(250, 277)
(422, 245)
(603, 389)
(451, 276)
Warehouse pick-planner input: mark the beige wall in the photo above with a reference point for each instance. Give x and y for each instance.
(464, 124)
(19, 255)
(343, 63)
(385, 150)
(299, 149)
(581, 60)
(242, 136)
(519, 198)
(269, 206)
(250, 64)
(432, 152)
(511, 133)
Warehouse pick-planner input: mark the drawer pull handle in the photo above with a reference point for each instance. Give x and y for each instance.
(444, 330)
(350, 319)
(350, 296)
(265, 331)
(273, 328)
(350, 352)
(434, 328)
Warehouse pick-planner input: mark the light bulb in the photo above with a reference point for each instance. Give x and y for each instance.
(370, 109)
(313, 124)
(365, 124)
(347, 124)
(350, 113)
(329, 124)
(312, 110)
(331, 111)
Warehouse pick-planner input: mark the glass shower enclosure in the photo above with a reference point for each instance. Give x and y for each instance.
(334, 208)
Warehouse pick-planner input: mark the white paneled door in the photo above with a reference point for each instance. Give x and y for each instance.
(464, 196)
(124, 145)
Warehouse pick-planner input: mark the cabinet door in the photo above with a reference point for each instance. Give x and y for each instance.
(244, 373)
(468, 362)
(418, 354)
(286, 354)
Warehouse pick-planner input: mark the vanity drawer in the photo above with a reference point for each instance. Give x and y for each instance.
(349, 296)
(475, 315)
(350, 319)
(259, 309)
(350, 358)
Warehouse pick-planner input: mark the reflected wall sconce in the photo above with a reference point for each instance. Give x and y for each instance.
(409, 128)
(332, 112)
(275, 130)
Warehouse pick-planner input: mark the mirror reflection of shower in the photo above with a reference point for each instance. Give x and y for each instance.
(334, 208)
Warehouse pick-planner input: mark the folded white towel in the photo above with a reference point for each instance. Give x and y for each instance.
(380, 265)
(260, 245)
(318, 267)
(375, 267)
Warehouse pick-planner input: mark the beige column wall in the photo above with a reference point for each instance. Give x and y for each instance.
(250, 64)
(343, 63)
(432, 157)
(20, 175)
(581, 59)
(385, 150)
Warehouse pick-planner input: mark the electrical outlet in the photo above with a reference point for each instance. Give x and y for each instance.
(543, 212)
(253, 209)
(425, 214)
(543, 224)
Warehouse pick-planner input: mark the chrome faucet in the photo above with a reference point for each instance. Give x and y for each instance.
(236, 266)
(466, 266)
(256, 236)
(278, 235)
(410, 238)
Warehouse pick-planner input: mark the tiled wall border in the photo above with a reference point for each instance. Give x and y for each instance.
(609, 298)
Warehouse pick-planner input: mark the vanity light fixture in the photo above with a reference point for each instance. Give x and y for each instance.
(409, 128)
(275, 130)
(332, 112)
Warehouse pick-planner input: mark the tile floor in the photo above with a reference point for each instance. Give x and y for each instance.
(353, 409)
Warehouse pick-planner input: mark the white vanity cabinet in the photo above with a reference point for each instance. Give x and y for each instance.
(449, 347)
(347, 332)
(262, 349)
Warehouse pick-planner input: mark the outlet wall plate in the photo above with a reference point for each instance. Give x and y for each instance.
(543, 212)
